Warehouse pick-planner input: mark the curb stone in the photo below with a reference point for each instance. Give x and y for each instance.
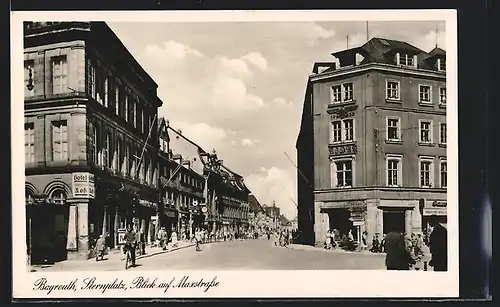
(308, 247)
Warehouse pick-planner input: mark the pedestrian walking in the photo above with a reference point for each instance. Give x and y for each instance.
(174, 238)
(328, 240)
(100, 248)
(375, 245)
(364, 241)
(398, 256)
(197, 236)
(438, 245)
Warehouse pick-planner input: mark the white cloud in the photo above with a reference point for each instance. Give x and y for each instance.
(274, 184)
(257, 59)
(201, 133)
(171, 50)
(233, 66)
(247, 142)
(280, 101)
(309, 32)
(230, 93)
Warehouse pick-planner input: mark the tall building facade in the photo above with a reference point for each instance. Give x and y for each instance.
(90, 139)
(372, 143)
(182, 183)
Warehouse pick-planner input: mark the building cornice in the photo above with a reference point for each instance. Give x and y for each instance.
(347, 71)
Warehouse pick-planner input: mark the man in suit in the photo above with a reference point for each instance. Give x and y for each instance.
(397, 255)
(438, 245)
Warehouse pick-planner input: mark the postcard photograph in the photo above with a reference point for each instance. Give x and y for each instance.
(235, 154)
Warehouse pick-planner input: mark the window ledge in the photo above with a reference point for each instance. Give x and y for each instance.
(341, 103)
(426, 104)
(442, 105)
(394, 142)
(442, 145)
(426, 144)
(393, 100)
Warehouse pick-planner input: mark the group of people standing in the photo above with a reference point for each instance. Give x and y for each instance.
(412, 252)
(281, 238)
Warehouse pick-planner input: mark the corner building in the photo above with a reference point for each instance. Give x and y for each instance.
(89, 108)
(372, 143)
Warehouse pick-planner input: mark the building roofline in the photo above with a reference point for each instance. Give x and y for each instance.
(376, 66)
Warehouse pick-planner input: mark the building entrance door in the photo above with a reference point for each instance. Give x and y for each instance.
(42, 233)
(394, 221)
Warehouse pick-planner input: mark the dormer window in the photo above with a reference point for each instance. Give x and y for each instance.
(441, 64)
(406, 59)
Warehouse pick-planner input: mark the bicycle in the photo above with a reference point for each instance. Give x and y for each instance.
(128, 258)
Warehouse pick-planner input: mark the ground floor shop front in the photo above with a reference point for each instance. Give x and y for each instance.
(373, 217)
(66, 214)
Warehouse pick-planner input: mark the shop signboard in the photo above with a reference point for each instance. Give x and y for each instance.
(435, 211)
(170, 214)
(121, 236)
(83, 185)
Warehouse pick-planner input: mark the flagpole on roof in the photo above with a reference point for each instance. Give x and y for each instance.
(367, 33)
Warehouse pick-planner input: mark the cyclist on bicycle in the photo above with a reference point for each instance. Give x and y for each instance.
(130, 243)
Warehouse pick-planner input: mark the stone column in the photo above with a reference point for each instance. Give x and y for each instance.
(408, 228)
(416, 219)
(371, 219)
(117, 225)
(105, 222)
(82, 229)
(380, 222)
(322, 224)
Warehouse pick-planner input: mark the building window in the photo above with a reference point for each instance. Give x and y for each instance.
(406, 59)
(29, 143)
(348, 91)
(442, 133)
(441, 64)
(343, 131)
(337, 131)
(349, 130)
(392, 90)
(142, 121)
(394, 170)
(442, 96)
(336, 94)
(95, 147)
(106, 151)
(425, 93)
(60, 140)
(117, 98)
(92, 82)
(59, 75)
(393, 129)
(118, 155)
(125, 107)
(134, 112)
(426, 178)
(58, 197)
(106, 91)
(443, 174)
(342, 173)
(425, 131)
(29, 65)
(126, 160)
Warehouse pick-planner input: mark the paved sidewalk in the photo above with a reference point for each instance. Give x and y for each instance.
(114, 256)
(336, 250)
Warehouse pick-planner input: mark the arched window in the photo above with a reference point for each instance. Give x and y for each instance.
(58, 197)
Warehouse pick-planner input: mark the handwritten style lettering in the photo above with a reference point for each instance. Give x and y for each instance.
(143, 283)
(42, 284)
(90, 284)
(186, 283)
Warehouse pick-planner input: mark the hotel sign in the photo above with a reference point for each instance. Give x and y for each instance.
(342, 149)
(83, 185)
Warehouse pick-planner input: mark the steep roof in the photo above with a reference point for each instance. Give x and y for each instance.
(255, 206)
(379, 50)
(437, 51)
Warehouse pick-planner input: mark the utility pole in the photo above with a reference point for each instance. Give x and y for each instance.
(367, 33)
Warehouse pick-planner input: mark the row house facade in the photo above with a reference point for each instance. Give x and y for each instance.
(372, 144)
(90, 139)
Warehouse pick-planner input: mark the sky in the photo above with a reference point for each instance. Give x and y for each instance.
(238, 87)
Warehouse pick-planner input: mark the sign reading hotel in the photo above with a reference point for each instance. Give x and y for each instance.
(83, 185)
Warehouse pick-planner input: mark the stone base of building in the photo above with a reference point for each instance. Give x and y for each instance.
(79, 255)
